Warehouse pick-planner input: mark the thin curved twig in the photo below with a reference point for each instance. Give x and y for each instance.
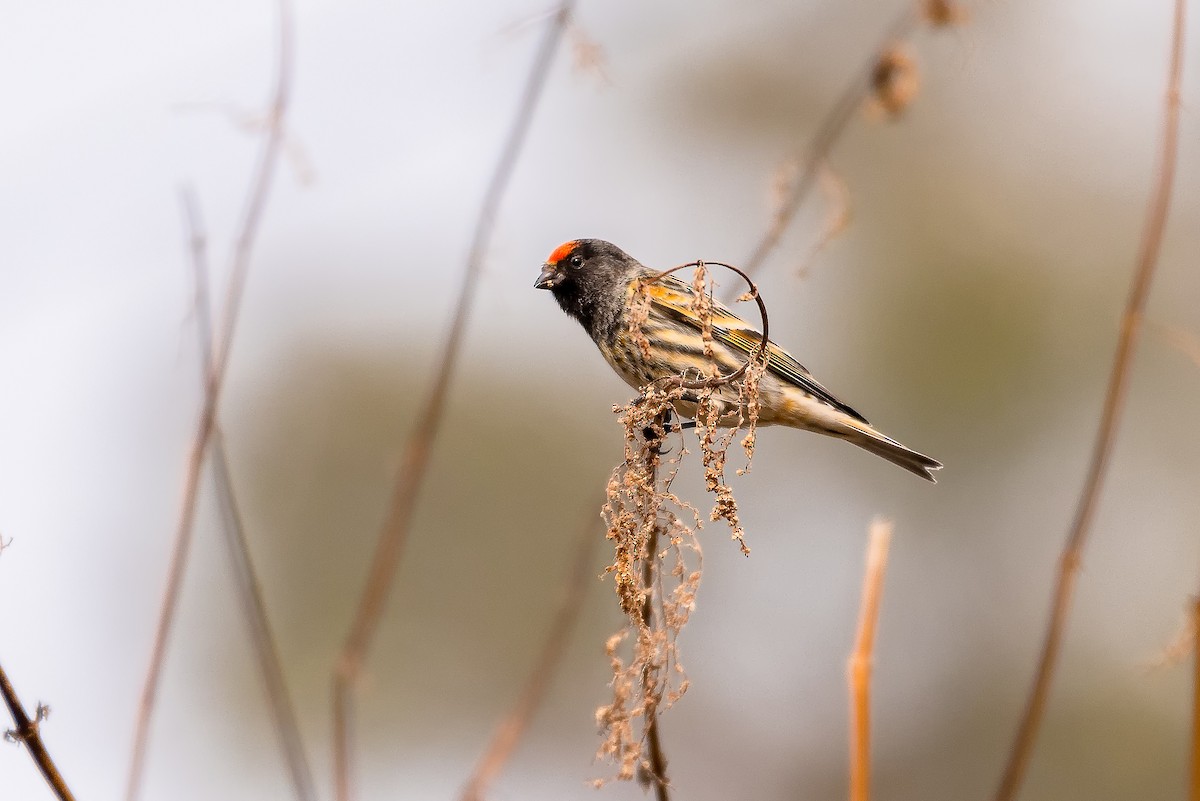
(827, 136)
(279, 702)
(655, 773)
(511, 728)
(409, 479)
(28, 731)
(240, 259)
(1114, 401)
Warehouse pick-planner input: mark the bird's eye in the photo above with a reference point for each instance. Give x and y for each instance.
(577, 260)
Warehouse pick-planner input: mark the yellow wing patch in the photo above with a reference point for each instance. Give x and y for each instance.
(674, 298)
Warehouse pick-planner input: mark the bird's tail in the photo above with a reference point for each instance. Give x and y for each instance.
(867, 438)
(814, 415)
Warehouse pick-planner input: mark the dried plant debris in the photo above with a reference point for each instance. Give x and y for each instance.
(943, 13)
(587, 55)
(895, 82)
(657, 557)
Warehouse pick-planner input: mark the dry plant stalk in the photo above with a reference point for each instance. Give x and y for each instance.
(260, 185)
(821, 146)
(245, 575)
(862, 86)
(858, 668)
(837, 216)
(657, 556)
(28, 731)
(393, 534)
(1114, 402)
(510, 729)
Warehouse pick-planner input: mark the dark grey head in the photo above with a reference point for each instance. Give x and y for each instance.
(588, 278)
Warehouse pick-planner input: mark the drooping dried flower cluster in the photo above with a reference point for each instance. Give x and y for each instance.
(657, 557)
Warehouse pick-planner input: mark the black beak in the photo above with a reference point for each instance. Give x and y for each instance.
(548, 278)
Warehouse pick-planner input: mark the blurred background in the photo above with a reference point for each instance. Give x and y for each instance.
(970, 310)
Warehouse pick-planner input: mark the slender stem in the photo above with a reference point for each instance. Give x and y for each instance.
(394, 532)
(28, 731)
(656, 772)
(240, 259)
(858, 673)
(510, 730)
(254, 608)
(1114, 401)
(826, 137)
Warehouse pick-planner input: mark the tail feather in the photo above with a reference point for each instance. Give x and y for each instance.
(800, 410)
(867, 438)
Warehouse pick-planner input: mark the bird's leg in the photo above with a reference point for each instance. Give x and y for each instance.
(654, 434)
(649, 433)
(662, 424)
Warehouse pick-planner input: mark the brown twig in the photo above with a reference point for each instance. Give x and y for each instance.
(28, 731)
(1131, 324)
(243, 246)
(411, 474)
(837, 218)
(513, 726)
(848, 102)
(858, 669)
(1194, 790)
(254, 608)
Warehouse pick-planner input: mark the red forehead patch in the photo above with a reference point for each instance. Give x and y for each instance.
(561, 252)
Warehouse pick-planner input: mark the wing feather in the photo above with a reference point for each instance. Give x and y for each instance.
(674, 298)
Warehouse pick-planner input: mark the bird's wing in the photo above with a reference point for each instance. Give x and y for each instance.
(674, 299)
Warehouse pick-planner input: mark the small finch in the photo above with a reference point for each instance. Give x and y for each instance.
(595, 281)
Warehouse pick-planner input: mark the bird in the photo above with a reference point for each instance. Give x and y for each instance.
(594, 282)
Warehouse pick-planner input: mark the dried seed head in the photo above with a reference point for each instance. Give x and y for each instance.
(895, 82)
(656, 555)
(943, 13)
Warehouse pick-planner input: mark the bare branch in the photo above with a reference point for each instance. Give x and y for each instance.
(28, 731)
(851, 98)
(654, 772)
(510, 730)
(394, 533)
(1114, 401)
(243, 247)
(837, 218)
(858, 669)
(245, 576)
